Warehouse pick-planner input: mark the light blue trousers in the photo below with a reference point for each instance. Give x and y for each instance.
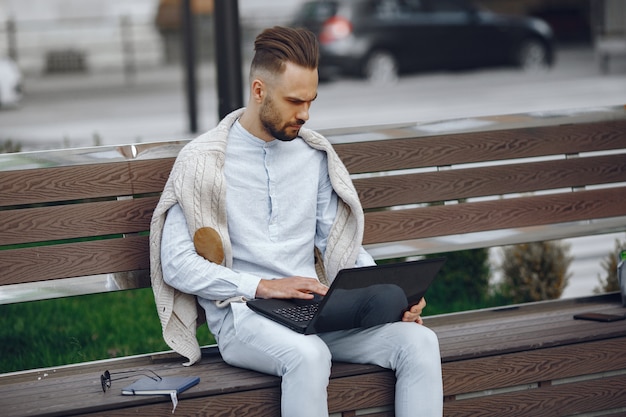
(251, 341)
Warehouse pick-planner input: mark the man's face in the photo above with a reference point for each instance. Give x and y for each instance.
(287, 100)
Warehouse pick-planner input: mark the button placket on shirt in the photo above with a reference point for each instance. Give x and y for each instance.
(271, 184)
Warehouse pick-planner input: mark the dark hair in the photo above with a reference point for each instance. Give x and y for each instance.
(275, 46)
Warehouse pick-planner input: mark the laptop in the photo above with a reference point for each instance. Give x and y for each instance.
(357, 298)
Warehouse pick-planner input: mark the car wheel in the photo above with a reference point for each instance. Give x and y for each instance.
(532, 56)
(381, 68)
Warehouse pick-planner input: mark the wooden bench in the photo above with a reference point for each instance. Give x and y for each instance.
(85, 213)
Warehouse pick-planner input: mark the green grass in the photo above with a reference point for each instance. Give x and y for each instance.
(75, 329)
(68, 330)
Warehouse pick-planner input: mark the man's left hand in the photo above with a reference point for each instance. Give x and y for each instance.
(415, 312)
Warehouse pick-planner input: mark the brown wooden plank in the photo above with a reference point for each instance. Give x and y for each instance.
(614, 413)
(77, 388)
(14, 382)
(486, 181)
(549, 310)
(82, 382)
(501, 336)
(525, 326)
(74, 259)
(395, 225)
(258, 403)
(448, 149)
(367, 413)
(533, 366)
(150, 176)
(522, 311)
(367, 391)
(64, 183)
(526, 339)
(533, 323)
(76, 220)
(553, 401)
(362, 391)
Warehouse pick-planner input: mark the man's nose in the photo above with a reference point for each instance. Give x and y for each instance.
(303, 113)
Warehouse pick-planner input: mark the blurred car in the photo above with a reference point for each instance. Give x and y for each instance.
(10, 83)
(378, 39)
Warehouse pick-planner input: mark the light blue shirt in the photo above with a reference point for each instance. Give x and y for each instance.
(279, 204)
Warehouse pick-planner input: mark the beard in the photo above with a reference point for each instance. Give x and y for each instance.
(273, 124)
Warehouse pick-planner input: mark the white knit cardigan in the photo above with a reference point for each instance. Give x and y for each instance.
(197, 183)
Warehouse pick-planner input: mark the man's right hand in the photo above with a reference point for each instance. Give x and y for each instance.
(290, 287)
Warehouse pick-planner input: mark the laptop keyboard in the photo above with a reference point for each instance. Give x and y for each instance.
(298, 313)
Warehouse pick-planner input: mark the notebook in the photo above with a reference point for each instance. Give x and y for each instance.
(358, 297)
(165, 386)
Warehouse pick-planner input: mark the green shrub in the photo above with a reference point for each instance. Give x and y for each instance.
(535, 271)
(610, 282)
(9, 147)
(462, 284)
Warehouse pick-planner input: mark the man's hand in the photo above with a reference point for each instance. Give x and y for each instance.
(290, 287)
(415, 312)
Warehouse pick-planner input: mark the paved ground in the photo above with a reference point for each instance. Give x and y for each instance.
(106, 108)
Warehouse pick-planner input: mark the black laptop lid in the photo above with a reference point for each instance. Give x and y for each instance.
(392, 288)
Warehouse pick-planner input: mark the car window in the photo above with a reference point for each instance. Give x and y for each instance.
(386, 8)
(413, 6)
(317, 11)
(443, 6)
(396, 8)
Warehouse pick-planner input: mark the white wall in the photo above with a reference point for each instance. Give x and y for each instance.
(54, 9)
(92, 27)
(39, 29)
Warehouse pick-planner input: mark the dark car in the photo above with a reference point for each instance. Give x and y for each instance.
(378, 39)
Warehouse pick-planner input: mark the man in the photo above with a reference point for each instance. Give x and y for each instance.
(246, 206)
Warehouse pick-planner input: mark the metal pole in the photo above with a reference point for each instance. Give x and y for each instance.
(190, 64)
(12, 38)
(228, 56)
(128, 48)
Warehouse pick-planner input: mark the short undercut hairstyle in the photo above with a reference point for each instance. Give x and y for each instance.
(276, 46)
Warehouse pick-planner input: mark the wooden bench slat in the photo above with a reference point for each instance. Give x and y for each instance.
(150, 176)
(528, 367)
(9, 381)
(451, 149)
(559, 400)
(518, 339)
(395, 190)
(219, 389)
(467, 319)
(74, 259)
(533, 313)
(357, 392)
(395, 225)
(76, 220)
(261, 402)
(216, 378)
(64, 183)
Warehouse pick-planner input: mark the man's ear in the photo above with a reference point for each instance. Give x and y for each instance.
(257, 90)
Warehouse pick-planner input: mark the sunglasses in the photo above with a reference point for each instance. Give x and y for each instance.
(106, 377)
